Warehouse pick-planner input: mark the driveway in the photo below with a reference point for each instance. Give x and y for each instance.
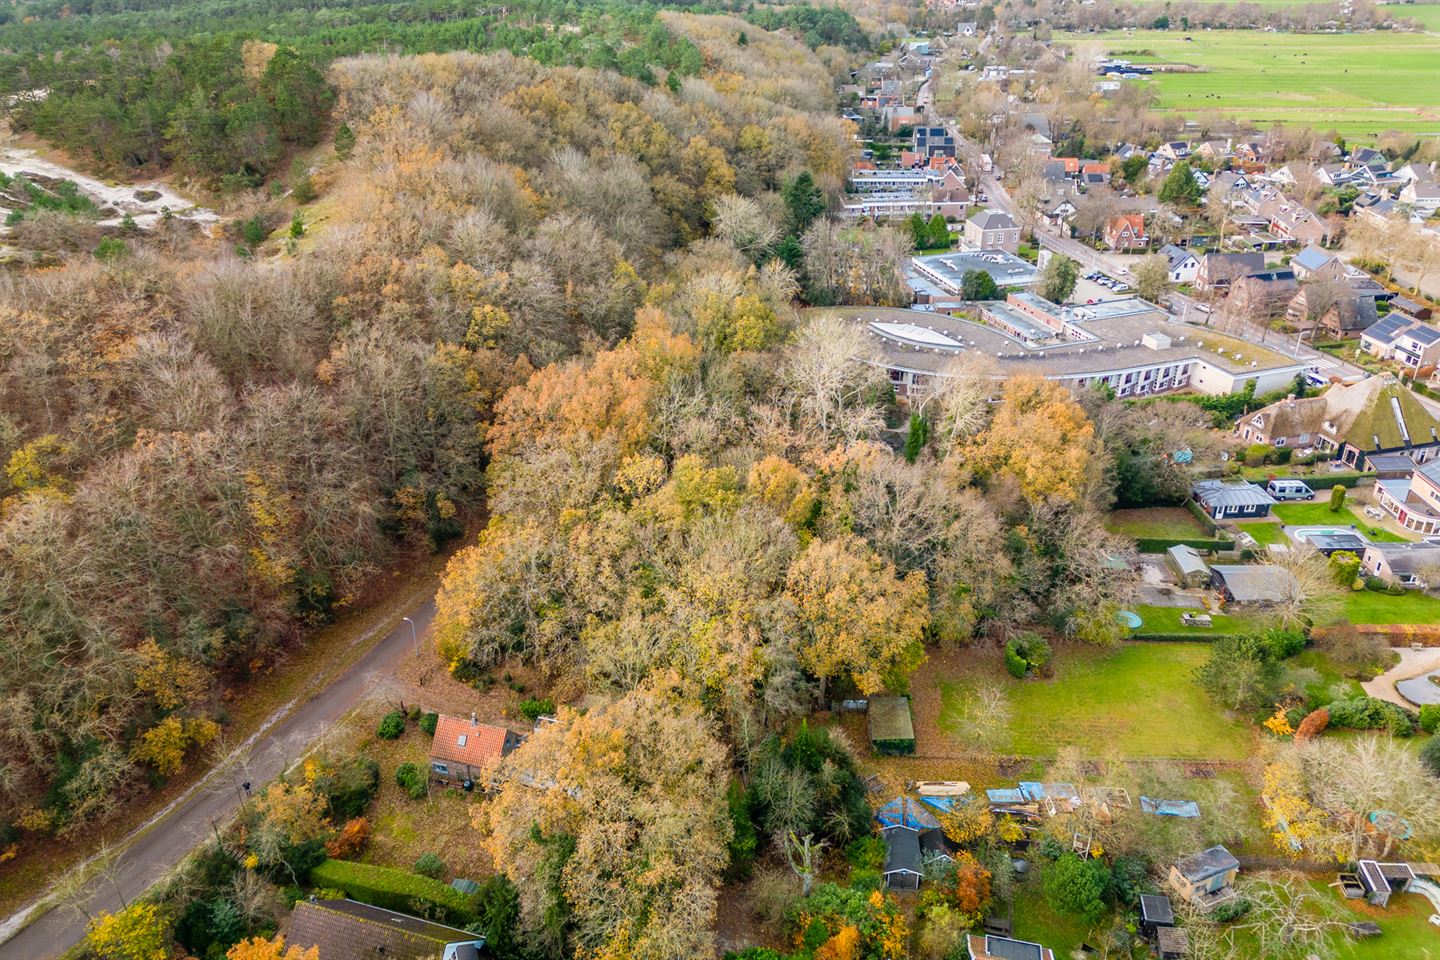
(215, 799)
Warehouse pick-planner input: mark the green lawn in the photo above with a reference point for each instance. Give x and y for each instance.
(1360, 84)
(1317, 513)
(1172, 523)
(1167, 620)
(1369, 606)
(1330, 674)
(1139, 700)
(1265, 533)
(1037, 922)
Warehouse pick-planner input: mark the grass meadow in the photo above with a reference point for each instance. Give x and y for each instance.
(1360, 84)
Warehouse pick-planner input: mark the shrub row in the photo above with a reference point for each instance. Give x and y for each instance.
(1201, 517)
(1193, 636)
(396, 890)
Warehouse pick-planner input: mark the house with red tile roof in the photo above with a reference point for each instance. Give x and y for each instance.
(462, 748)
(1126, 232)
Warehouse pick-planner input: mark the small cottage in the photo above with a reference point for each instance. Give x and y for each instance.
(1253, 583)
(902, 858)
(987, 947)
(461, 748)
(1205, 879)
(1240, 500)
(892, 730)
(347, 929)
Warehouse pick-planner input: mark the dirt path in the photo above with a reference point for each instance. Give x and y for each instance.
(1412, 664)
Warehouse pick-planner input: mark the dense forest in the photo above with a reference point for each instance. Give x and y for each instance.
(204, 88)
(204, 453)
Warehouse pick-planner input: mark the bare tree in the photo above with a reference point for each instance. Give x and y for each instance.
(803, 853)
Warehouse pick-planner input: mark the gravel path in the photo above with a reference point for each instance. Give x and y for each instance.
(1412, 664)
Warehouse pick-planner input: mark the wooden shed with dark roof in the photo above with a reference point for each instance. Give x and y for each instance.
(349, 930)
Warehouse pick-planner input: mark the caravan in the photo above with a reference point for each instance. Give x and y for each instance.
(1289, 490)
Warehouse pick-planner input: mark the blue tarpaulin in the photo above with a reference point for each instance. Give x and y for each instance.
(1171, 808)
(904, 812)
(1005, 796)
(1054, 791)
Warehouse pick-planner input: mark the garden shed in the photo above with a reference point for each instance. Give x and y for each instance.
(1189, 567)
(892, 731)
(902, 858)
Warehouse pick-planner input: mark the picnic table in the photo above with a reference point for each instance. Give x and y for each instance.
(1195, 620)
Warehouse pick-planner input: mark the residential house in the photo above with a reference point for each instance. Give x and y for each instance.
(1413, 501)
(1229, 501)
(1183, 264)
(1367, 156)
(1353, 421)
(1412, 565)
(966, 29)
(461, 748)
(992, 229)
(1228, 182)
(1262, 296)
(903, 868)
(950, 197)
(1423, 196)
(1405, 340)
(1174, 151)
(1057, 211)
(931, 141)
(1251, 152)
(1255, 584)
(1215, 151)
(1293, 221)
(1217, 271)
(1334, 175)
(1417, 171)
(1205, 879)
(1347, 316)
(1126, 232)
(348, 930)
(1316, 263)
(988, 947)
(1094, 174)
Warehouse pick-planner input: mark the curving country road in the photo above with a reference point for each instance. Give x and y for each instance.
(214, 799)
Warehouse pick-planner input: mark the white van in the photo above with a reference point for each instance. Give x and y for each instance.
(1289, 490)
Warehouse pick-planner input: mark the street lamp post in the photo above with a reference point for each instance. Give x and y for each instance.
(414, 635)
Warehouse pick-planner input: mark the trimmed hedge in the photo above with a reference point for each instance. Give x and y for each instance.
(1202, 636)
(1325, 483)
(1203, 518)
(1161, 544)
(396, 890)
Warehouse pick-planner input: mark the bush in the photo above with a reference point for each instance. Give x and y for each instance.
(349, 786)
(430, 865)
(1256, 454)
(413, 778)
(866, 853)
(1368, 713)
(1430, 717)
(1313, 725)
(1014, 662)
(207, 924)
(429, 722)
(498, 903)
(1076, 887)
(1430, 756)
(1337, 498)
(1283, 454)
(1231, 910)
(304, 191)
(350, 840)
(392, 725)
(396, 890)
(533, 708)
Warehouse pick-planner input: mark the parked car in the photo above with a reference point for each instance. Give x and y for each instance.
(1289, 489)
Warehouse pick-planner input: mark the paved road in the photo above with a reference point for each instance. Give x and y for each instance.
(216, 798)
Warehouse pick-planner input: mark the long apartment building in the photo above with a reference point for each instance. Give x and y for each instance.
(1128, 345)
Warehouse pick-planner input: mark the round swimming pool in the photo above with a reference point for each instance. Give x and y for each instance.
(1132, 619)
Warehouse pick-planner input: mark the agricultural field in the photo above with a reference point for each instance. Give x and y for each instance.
(1138, 701)
(1360, 84)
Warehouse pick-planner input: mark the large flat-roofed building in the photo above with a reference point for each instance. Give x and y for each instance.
(937, 277)
(1130, 346)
